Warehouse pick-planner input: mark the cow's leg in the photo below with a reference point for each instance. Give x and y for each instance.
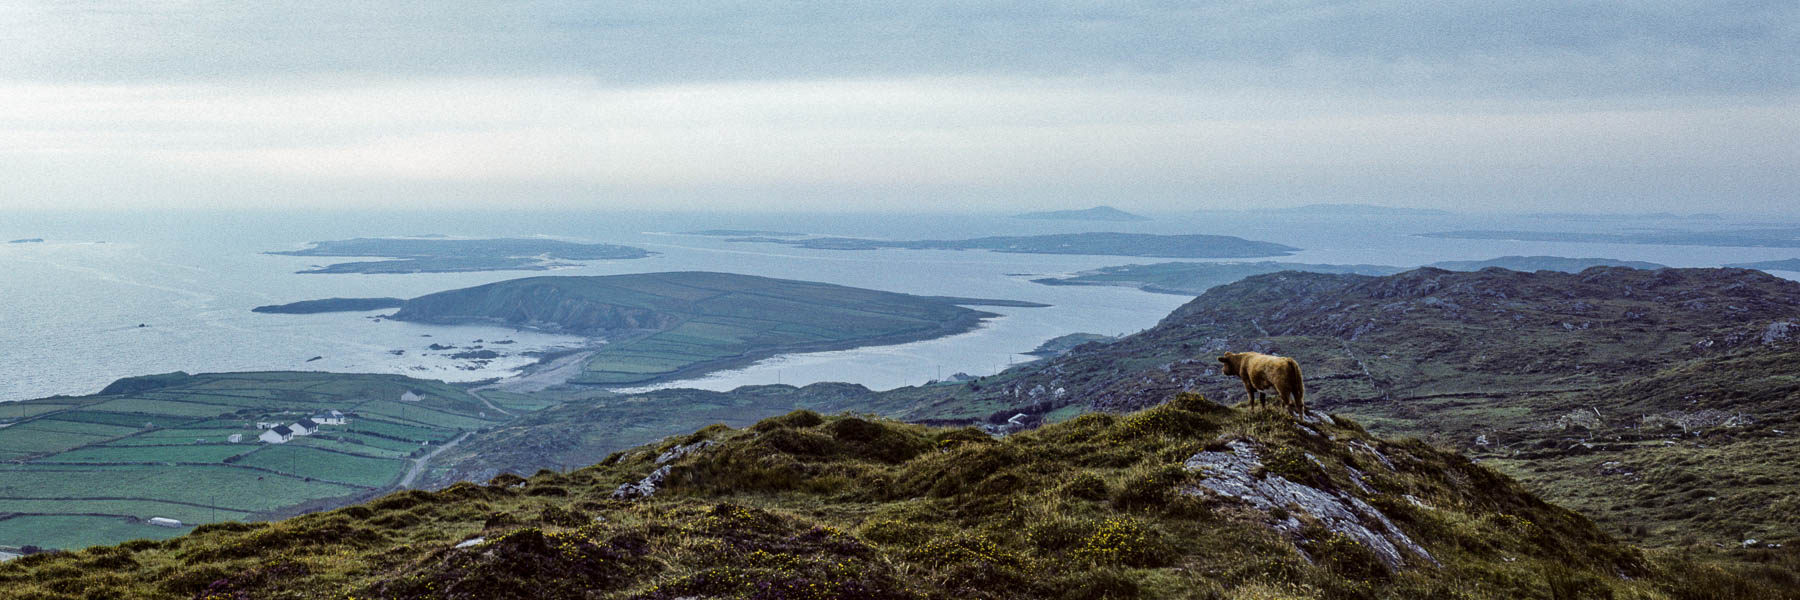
(1250, 394)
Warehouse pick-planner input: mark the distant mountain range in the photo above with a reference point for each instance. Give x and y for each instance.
(1098, 213)
(1361, 209)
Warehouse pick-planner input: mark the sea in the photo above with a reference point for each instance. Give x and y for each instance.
(110, 295)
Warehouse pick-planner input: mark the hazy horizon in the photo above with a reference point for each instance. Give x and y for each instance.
(998, 107)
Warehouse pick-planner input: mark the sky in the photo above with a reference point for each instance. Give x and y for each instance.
(1532, 105)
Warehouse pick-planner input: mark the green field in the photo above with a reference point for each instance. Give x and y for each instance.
(79, 471)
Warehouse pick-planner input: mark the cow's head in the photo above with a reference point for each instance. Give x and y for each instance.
(1230, 360)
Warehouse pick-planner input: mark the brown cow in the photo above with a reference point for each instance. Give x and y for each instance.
(1263, 372)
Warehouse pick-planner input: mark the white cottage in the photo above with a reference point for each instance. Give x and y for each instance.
(279, 434)
(304, 427)
(164, 522)
(330, 418)
(410, 396)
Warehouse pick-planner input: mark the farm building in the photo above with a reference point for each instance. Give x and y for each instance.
(235, 438)
(304, 427)
(164, 522)
(410, 396)
(331, 418)
(280, 434)
(267, 424)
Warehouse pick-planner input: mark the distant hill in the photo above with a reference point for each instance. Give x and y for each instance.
(664, 325)
(1596, 387)
(1772, 237)
(1099, 243)
(439, 255)
(1543, 263)
(1362, 209)
(1791, 264)
(1098, 213)
(1193, 278)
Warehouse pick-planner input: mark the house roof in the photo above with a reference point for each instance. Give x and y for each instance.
(307, 423)
(282, 430)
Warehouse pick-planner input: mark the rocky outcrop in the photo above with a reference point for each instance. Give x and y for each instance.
(1235, 474)
(643, 488)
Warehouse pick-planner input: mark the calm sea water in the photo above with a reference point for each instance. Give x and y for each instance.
(71, 308)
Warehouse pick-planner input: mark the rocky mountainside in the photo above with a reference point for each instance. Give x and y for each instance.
(1634, 371)
(1184, 500)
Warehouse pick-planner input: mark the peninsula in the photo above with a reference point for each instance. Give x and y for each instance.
(661, 326)
(307, 307)
(1104, 244)
(441, 255)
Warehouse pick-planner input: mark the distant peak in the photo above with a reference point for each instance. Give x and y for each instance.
(1098, 213)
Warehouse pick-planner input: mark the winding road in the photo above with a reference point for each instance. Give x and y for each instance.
(419, 463)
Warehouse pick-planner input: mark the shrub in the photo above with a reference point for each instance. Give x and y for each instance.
(1124, 541)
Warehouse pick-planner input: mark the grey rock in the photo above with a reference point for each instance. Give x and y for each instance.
(1231, 474)
(644, 488)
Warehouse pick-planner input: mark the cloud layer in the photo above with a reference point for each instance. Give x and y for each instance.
(783, 106)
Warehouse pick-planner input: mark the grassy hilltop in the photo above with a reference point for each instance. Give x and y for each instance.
(1170, 502)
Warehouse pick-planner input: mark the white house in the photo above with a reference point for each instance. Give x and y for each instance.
(409, 396)
(331, 418)
(235, 438)
(164, 522)
(280, 434)
(267, 424)
(304, 427)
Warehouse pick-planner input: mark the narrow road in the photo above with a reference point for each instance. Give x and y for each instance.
(484, 400)
(419, 463)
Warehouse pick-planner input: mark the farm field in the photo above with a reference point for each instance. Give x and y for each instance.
(79, 471)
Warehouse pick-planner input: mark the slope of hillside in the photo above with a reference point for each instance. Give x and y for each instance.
(1185, 500)
(664, 325)
(1615, 365)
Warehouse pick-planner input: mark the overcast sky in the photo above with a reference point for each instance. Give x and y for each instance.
(1556, 105)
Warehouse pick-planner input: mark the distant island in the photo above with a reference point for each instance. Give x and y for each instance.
(27, 241)
(1106, 244)
(1363, 209)
(1542, 263)
(307, 307)
(1657, 216)
(661, 326)
(1194, 278)
(1774, 237)
(438, 255)
(743, 233)
(1791, 264)
(1098, 213)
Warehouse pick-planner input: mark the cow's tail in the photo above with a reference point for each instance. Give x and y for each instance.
(1298, 384)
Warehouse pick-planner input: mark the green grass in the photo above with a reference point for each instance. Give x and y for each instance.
(141, 509)
(300, 461)
(191, 453)
(220, 485)
(63, 531)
